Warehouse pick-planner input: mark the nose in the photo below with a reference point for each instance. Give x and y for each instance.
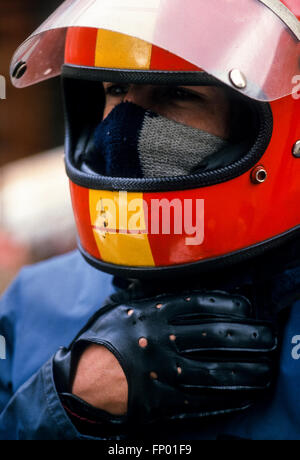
(140, 95)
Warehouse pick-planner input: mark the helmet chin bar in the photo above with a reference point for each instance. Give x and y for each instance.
(276, 253)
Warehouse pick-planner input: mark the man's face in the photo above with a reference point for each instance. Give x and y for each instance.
(202, 107)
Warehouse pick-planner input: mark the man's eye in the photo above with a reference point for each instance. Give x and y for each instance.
(116, 90)
(182, 94)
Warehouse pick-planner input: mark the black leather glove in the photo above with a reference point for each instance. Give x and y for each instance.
(206, 354)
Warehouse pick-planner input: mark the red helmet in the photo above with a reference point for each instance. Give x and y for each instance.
(242, 208)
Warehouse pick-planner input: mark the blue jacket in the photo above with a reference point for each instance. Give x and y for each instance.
(46, 307)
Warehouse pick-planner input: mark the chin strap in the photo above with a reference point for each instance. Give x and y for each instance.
(271, 288)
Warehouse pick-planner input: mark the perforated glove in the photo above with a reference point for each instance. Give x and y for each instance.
(205, 354)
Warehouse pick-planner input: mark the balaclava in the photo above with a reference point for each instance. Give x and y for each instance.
(138, 143)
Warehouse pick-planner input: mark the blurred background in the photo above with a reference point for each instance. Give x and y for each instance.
(36, 219)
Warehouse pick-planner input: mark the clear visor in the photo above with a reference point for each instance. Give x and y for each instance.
(251, 45)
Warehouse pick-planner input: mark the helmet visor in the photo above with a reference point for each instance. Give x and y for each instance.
(250, 45)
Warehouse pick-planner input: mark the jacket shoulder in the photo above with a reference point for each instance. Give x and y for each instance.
(64, 277)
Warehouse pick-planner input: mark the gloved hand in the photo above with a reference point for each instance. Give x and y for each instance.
(199, 354)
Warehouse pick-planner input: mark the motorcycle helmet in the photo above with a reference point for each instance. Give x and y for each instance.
(241, 202)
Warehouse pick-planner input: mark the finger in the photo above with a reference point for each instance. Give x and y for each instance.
(230, 375)
(180, 403)
(220, 335)
(202, 304)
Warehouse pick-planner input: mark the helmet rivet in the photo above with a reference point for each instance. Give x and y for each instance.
(19, 70)
(296, 149)
(259, 175)
(238, 79)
